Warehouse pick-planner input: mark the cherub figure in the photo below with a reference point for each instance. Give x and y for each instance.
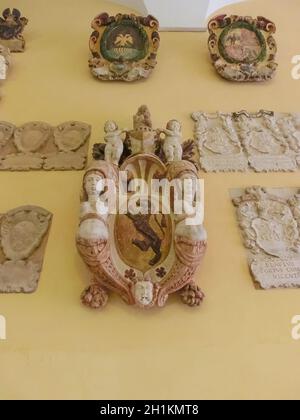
(172, 144)
(114, 143)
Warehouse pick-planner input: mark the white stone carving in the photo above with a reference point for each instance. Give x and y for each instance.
(22, 231)
(23, 239)
(172, 144)
(114, 143)
(219, 146)
(240, 141)
(270, 224)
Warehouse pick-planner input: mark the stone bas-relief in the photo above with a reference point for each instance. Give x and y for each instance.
(39, 146)
(23, 238)
(12, 25)
(243, 49)
(270, 223)
(240, 141)
(218, 143)
(123, 47)
(144, 257)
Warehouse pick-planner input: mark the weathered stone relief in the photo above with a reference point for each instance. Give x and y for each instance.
(38, 145)
(270, 223)
(218, 143)
(23, 238)
(262, 142)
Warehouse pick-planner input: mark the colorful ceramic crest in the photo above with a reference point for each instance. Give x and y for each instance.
(11, 29)
(144, 256)
(243, 49)
(124, 47)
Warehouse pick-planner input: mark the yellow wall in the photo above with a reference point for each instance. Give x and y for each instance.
(238, 345)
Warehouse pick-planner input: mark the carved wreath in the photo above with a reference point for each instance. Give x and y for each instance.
(263, 67)
(148, 30)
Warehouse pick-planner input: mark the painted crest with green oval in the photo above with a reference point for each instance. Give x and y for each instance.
(124, 41)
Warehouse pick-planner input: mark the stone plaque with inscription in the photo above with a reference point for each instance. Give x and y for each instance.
(270, 223)
(263, 141)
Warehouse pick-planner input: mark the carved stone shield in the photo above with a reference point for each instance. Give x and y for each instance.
(22, 231)
(70, 136)
(31, 137)
(143, 241)
(6, 132)
(275, 238)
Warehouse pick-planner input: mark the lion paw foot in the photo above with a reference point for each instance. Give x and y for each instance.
(192, 295)
(94, 297)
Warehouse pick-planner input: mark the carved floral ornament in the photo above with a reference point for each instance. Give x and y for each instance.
(270, 223)
(243, 49)
(143, 256)
(23, 238)
(124, 47)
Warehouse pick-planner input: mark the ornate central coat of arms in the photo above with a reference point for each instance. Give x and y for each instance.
(143, 255)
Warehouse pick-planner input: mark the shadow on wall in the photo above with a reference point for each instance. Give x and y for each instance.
(178, 15)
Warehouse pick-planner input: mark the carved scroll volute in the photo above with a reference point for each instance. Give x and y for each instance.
(93, 238)
(190, 253)
(93, 253)
(190, 246)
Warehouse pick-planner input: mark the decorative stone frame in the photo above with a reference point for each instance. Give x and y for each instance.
(262, 68)
(129, 71)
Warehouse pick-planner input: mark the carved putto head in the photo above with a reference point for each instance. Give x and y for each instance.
(143, 293)
(110, 127)
(174, 126)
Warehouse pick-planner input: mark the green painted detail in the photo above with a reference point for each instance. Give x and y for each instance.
(124, 41)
